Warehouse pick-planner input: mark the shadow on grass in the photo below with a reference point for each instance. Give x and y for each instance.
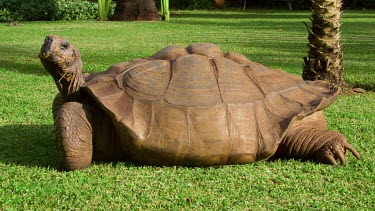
(33, 146)
(370, 87)
(24, 68)
(28, 145)
(262, 14)
(20, 59)
(290, 21)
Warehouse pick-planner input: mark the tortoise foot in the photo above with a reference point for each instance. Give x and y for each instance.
(333, 151)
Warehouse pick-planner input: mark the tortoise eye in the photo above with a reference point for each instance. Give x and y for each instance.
(64, 45)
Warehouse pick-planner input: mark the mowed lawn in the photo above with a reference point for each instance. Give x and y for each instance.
(29, 179)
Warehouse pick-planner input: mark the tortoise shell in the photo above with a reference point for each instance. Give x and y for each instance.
(199, 106)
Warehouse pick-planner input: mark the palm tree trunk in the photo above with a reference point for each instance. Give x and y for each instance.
(325, 54)
(131, 10)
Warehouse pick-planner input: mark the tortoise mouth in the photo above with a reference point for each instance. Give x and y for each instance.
(51, 57)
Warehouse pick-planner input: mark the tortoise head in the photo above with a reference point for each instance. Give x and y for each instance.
(63, 61)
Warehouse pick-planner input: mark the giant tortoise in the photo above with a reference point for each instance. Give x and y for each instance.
(194, 106)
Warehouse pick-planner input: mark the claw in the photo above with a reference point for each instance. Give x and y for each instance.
(352, 150)
(341, 156)
(331, 159)
(334, 152)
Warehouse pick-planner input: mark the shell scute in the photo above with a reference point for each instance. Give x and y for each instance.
(235, 85)
(147, 80)
(271, 80)
(206, 49)
(193, 83)
(237, 57)
(170, 53)
(209, 135)
(245, 141)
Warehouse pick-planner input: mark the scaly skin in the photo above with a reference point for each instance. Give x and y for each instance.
(84, 134)
(309, 139)
(56, 105)
(74, 135)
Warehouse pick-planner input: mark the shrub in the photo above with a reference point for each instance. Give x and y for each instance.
(5, 15)
(17, 10)
(189, 4)
(76, 10)
(32, 10)
(360, 4)
(200, 4)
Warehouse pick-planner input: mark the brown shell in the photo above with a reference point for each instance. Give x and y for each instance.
(199, 106)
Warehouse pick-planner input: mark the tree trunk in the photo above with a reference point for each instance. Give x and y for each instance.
(131, 10)
(325, 54)
(220, 3)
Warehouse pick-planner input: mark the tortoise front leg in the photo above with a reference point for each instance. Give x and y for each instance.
(309, 139)
(56, 105)
(74, 134)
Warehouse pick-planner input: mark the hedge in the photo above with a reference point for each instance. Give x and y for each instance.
(33, 10)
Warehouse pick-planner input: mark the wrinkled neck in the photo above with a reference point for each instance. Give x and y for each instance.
(68, 79)
(70, 88)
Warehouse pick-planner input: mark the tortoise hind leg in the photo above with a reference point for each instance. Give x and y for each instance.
(74, 135)
(309, 139)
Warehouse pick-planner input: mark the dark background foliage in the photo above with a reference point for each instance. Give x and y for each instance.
(32, 10)
(28, 10)
(296, 4)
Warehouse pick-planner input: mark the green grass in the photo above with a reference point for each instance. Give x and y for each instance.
(28, 176)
